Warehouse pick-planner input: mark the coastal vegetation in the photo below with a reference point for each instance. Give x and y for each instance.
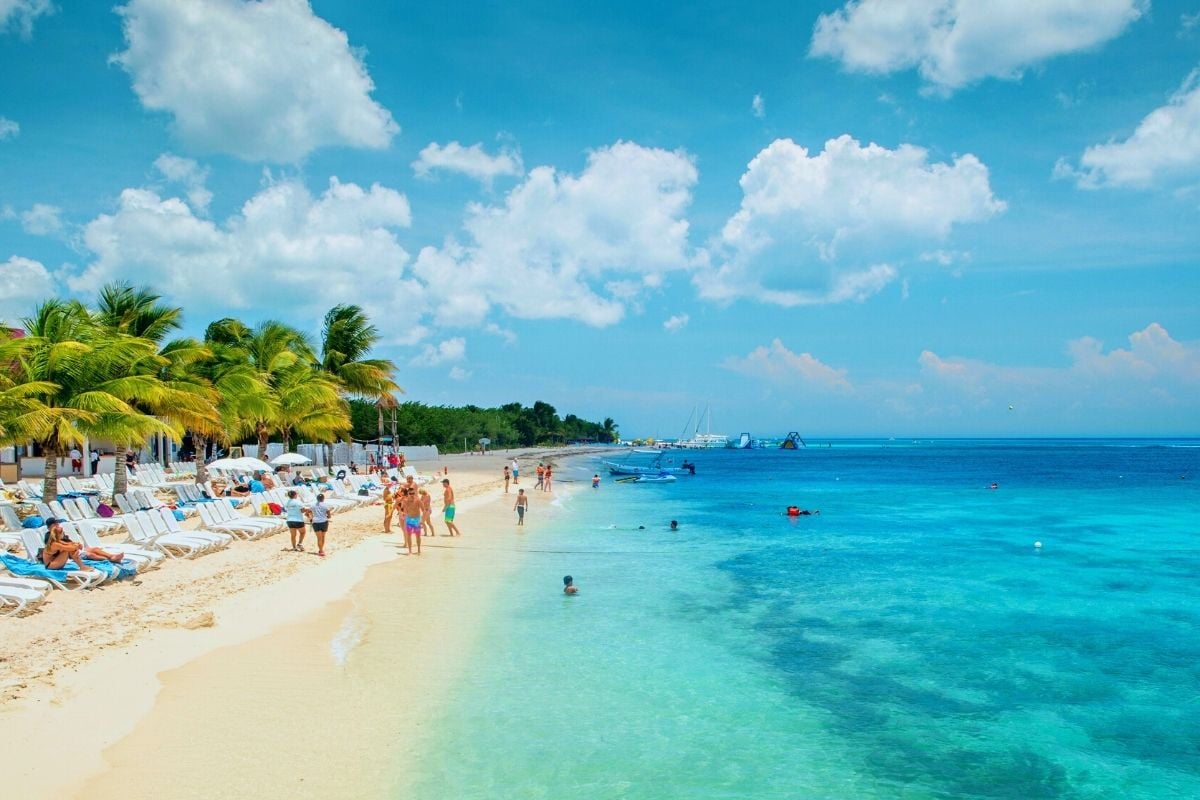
(510, 425)
(118, 372)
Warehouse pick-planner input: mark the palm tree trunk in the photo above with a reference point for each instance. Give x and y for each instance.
(50, 474)
(121, 474)
(287, 441)
(200, 445)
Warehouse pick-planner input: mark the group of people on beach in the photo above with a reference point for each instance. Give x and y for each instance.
(412, 506)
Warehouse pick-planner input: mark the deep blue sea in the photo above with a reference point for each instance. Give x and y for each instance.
(909, 642)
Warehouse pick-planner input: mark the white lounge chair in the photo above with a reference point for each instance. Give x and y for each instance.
(144, 558)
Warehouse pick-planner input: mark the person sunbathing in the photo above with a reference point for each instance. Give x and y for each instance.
(59, 549)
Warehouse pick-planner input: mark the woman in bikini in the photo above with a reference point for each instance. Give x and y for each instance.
(389, 504)
(59, 549)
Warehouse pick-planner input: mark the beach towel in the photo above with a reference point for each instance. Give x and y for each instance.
(24, 568)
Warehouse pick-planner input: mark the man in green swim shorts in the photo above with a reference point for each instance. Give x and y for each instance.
(448, 502)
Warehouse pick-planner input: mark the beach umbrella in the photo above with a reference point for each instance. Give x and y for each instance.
(290, 458)
(225, 463)
(252, 464)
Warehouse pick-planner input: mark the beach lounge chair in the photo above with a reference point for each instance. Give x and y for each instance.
(32, 567)
(164, 520)
(144, 534)
(143, 557)
(242, 527)
(15, 599)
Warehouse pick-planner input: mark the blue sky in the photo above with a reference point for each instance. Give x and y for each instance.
(843, 218)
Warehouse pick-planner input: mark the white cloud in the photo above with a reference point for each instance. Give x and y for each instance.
(23, 284)
(953, 43)
(758, 106)
(1164, 147)
(779, 364)
(1153, 361)
(19, 15)
(800, 212)
(459, 374)
(568, 246)
(42, 220)
(190, 175)
(265, 80)
(443, 352)
(676, 323)
(286, 253)
(8, 129)
(508, 336)
(470, 161)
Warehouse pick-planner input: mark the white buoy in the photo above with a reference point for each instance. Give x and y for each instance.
(1037, 545)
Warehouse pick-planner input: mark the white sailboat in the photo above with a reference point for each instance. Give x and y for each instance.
(706, 440)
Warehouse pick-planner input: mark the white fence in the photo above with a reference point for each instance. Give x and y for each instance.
(343, 453)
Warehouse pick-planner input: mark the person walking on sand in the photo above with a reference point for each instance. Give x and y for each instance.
(548, 479)
(295, 519)
(426, 513)
(448, 510)
(507, 478)
(389, 503)
(410, 507)
(541, 476)
(521, 506)
(319, 514)
(516, 472)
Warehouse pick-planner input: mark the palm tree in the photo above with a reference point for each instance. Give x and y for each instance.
(239, 394)
(185, 401)
(299, 398)
(79, 382)
(346, 340)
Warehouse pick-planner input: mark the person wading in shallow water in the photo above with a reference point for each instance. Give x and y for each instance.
(448, 503)
(521, 506)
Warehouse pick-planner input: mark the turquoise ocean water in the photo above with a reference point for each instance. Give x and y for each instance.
(908, 642)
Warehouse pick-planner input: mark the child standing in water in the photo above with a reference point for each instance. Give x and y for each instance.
(569, 585)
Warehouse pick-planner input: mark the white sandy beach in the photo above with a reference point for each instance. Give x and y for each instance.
(215, 672)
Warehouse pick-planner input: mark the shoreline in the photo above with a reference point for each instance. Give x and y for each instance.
(121, 683)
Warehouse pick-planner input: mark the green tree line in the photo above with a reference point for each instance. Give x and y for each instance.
(448, 427)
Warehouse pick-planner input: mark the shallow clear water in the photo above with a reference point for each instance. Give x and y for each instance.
(908, 642)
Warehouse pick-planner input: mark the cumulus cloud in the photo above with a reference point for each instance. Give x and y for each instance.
(19, 15)
(676, 323)
(1164, 147)
(1121, 376)
(470, 161)
(263, 81)
(800, 212)
(8, 129)
(508, 336)
(459, 374)
(23, 284)
(190, 175)
(779, 364)
(758, 106)
(568, 246)
(953, 43)
(443, 352)
(42, 220)
(286, 252)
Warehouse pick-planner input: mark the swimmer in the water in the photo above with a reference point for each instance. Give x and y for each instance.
(569, 585)
(674, 525)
